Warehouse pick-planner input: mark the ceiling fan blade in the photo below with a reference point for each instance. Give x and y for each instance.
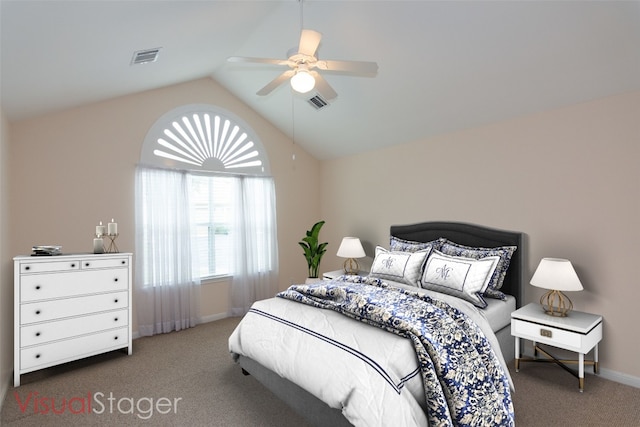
(258, 60)
(309, 41)
(275, 83)
(358, 67)
(322, 87)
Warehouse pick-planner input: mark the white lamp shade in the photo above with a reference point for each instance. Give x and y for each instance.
(557, 274)
(351, 248)
(302, 81)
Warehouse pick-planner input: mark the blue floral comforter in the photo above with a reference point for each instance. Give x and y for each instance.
(464, 381)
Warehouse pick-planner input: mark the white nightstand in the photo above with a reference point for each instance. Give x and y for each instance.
(580, 332)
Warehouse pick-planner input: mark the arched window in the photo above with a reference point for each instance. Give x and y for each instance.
(205, 208)
(205, 138)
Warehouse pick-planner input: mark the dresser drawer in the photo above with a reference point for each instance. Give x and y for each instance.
(57, 309)
(104, 263)
(38, 357)
(42, 267)
(41, 333)
(35, 287)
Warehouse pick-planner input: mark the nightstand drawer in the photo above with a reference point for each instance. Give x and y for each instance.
(546, 334)
(556, 337)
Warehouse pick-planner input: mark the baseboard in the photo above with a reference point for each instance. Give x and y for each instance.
(204, 319)
(4, 388)
(214, 317)
(619, 377)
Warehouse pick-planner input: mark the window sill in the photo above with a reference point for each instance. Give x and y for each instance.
(215, 279)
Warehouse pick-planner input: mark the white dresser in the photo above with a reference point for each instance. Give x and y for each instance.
(68, 307)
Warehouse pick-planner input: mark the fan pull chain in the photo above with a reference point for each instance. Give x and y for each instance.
(293, 132)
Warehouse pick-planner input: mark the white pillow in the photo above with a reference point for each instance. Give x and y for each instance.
(465, 278)
(403, 267)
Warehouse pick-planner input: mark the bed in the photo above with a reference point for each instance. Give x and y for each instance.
(336, 370)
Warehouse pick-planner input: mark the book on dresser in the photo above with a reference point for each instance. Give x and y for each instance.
(69, 307)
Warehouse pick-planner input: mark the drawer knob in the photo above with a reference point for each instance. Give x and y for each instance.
(115, 338)
(86, 264)
(27, 268)
(123, 262)
(37, 287)
(115, 300)
(37, 311)
(115, 319)
(115, 280)
(545, 333)
(37, 334)
(38, 356)
(73, 265)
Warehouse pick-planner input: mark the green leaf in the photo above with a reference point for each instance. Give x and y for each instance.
(313, 251)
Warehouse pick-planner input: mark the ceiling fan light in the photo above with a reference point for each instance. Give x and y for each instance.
(302, 81)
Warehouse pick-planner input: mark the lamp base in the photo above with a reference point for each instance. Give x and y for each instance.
(555, 303)
(351, 266)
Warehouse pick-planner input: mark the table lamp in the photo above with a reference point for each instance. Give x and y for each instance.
(351, 248)
(557, 275)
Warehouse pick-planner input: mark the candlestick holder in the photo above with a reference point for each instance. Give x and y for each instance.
(112, 248)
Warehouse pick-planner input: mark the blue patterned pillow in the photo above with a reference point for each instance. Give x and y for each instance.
(403, 267)
(465, 278)
(397, 244)
(504, 252)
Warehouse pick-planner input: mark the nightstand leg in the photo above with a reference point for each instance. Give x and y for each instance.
(517, 340)
(595, 359)
(581, 371)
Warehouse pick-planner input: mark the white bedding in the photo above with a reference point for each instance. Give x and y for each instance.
(370, 374)
(497, 312)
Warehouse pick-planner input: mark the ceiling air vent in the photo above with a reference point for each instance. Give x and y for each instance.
(318, 102)
(145, 56)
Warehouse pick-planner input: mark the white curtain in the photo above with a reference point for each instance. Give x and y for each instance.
(167, 294)
(255, 267)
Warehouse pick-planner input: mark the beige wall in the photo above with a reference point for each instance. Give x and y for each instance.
(74, 168)
(567, 178)
(6, 267)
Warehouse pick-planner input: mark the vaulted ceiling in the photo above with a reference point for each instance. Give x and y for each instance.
(443, 65)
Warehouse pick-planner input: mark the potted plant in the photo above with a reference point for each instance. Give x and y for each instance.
(313, 251)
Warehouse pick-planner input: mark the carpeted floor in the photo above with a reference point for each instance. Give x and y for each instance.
(188, 379)
(546, 395)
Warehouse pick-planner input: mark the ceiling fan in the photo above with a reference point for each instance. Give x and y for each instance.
(304, 65)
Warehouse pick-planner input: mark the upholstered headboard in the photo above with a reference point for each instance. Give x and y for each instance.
(473, 235)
